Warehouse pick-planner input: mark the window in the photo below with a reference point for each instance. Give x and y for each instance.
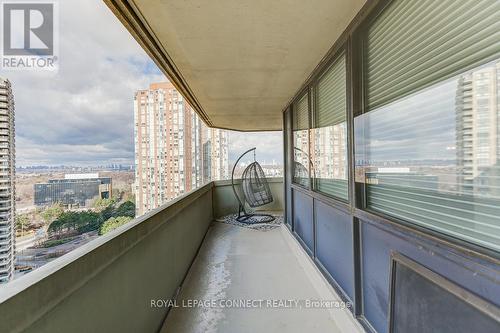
(301, 159)
(329, 133)
(423, 147)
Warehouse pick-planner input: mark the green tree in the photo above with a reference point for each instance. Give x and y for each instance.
(22, 222)
(76, 221)
(125, 209)
(102, 203)
(52, 213)
(113, 223)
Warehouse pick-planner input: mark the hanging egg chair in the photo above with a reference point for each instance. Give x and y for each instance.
(300, 171)
(256, 192)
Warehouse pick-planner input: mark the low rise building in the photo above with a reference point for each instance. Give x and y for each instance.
(75, 190)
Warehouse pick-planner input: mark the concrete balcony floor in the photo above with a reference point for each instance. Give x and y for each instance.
(237, 263)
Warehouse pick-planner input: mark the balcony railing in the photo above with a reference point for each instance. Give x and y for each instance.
(113, 277)
(108, 284)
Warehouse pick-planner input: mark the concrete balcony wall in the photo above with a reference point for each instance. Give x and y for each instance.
(107, 285)
(225, 203)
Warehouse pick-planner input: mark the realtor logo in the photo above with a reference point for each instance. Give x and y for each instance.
(29, 38)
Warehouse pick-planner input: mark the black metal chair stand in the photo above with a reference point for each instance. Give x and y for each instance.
(256, 192)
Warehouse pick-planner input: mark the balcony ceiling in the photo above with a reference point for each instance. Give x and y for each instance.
(237, 62)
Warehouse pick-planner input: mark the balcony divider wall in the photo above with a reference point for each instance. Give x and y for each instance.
(355, 245)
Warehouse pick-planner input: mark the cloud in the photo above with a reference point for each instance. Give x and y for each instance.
(83, 114)
(269, 146)
(85, 155)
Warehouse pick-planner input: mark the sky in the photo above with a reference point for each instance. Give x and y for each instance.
(421, 126)
(269, 146)
(83, 114)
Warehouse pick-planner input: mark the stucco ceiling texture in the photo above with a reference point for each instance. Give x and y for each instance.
(244, 60)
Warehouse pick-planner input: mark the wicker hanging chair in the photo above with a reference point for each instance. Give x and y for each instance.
(256, 192)
(255, 186)
(300, 171)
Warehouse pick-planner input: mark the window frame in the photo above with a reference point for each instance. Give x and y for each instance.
(304, 93)
(342, 51)
(353, 44)
(360, 107)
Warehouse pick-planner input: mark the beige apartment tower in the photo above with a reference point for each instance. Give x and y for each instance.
(478, 131)
(170, 142)
(215, 154)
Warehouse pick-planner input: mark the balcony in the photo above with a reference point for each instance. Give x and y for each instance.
(176, 251)
(411, 257)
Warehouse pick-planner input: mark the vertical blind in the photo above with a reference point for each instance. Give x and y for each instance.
(413, 44)
(331, 95)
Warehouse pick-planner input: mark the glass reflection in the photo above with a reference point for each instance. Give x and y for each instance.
(432, 158)
(301, 159)
(329, 159)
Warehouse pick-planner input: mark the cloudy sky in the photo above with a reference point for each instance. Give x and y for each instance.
(269, 146)
(83, 114)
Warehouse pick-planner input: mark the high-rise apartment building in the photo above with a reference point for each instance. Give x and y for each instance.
(478, 129)
(215, 154)
(171, 144)
(7, 181)
(329, 151)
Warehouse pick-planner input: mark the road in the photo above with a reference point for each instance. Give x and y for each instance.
(24, 243)
(26, 255)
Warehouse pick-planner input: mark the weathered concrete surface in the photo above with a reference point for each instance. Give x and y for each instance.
(236, 263)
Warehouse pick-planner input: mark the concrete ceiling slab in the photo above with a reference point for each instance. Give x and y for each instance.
(242, 61)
